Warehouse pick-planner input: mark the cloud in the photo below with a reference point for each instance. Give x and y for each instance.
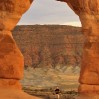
(48, 12)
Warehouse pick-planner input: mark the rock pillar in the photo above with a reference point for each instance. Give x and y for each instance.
(89, 77)
(88, 12)
(11, 59)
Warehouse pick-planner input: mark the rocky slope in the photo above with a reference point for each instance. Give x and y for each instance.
(55, 50)
(49, 45)
(11, 59)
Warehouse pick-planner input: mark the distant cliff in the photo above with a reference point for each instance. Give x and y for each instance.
(49, 45)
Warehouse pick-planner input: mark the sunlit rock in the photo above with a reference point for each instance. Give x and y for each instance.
(88, 12)
(11, 59)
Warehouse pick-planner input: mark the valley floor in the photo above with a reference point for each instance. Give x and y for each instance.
(43, 81)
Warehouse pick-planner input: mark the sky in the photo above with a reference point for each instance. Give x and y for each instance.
(49, 12)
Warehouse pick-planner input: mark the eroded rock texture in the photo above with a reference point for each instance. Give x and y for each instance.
(88, 12)
(49, 46)
(11, 59)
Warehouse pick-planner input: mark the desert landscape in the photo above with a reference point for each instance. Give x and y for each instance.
(52, 56)
(44, 57)
(49, 45)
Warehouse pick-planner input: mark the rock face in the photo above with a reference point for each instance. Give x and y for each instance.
(88, 12)
(49, 45)
(14, 94)
(11, 59)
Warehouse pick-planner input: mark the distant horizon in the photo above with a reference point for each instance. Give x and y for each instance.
(49, 24)
(49, 12)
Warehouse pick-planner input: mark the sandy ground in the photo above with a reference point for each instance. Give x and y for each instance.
(15, 94)
(19, 94)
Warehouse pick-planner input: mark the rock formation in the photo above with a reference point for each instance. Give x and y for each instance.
(11, 59)
(49, 45)
(88, 12)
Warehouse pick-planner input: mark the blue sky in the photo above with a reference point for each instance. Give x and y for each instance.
(49, 12)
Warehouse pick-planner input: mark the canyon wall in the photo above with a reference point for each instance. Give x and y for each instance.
(50, 45)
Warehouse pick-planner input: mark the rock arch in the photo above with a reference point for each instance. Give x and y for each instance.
(11, 59)
(88, 12)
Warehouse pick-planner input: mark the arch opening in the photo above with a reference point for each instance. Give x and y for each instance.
(89, 16)
(42, 13)
(47, 51)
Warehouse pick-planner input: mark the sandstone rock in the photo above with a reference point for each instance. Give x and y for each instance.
(11, 59)
(88, 12)
(15, 94)
(11, 11)
(88, 96)
(49, 45)
(10, 83)
(89, 89)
